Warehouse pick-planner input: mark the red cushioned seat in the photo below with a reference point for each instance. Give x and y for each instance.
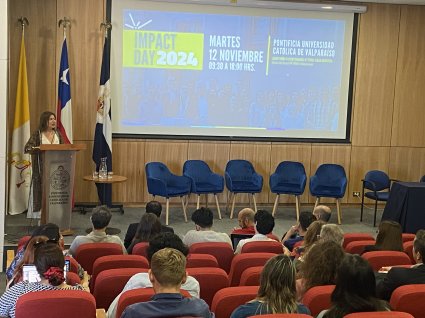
(223, 252)
(318, 298)
(228, 299)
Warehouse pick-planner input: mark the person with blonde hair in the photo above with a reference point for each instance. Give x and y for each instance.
(277, 292)
(332, 233)
(167, 273)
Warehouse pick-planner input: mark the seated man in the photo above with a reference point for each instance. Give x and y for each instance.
(322, 213)
(100, 218)
(203, 219)
(296, 232)
(167, 273)
(399, 276)
(246, 222)
(141, 280)
(151, 207)
(264, 224)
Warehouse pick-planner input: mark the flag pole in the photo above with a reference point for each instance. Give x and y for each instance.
(23, 21)
(65, 22)
(107, 26)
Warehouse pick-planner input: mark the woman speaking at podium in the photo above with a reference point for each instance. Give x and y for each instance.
(45, 134)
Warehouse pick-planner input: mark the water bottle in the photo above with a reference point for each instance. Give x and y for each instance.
(103, 169)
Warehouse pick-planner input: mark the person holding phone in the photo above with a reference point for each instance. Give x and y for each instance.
(49, 262)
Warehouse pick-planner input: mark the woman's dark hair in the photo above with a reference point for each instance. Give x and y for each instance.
(355, 289)
(50, 230)
(163, 240)
(49, 261)
(149, 226)
(44, 120)
(389, 237)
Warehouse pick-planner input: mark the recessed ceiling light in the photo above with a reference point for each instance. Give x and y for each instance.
(327, 7)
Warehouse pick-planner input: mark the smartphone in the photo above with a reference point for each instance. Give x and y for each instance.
(31, 275)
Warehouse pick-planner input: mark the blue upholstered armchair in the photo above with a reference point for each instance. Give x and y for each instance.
(241, 178)
(289, 178)
(166, 184)
(204, 181)
(330, 181)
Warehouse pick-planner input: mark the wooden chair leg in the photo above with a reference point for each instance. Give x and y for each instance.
(255, 202)
(297, 206)
(233, 205)
(167, 207)
(218, 206)
(184, 209)
(276, 202)
(317, 202)
(228, 197)
(197, 201)
(206, 200)
(338, 209)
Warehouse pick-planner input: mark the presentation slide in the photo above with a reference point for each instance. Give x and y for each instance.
(204, 70)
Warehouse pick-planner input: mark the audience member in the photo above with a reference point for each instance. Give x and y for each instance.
(203, 219)
(264, 224)
(322, 213)
(141, 280)
(311, 236)
(388, 238)
(148, 228)
(49, 262)
(277, 293)
(319, 266)
(296, 232)
(50, 230)
(355, 289)
(167, 273)
(399, 276)
(246, 222)
(151, 207)
(332, 233)
(101, 216)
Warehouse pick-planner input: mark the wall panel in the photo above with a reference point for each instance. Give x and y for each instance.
(407, 163)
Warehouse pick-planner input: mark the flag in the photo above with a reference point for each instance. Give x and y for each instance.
(102, 145)
(20, 163)
(64, 109)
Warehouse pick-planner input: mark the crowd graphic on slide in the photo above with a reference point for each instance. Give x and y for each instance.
(264, 74)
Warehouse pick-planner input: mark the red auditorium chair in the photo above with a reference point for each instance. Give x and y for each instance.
(116, 261)
(86, 254)
(228, 299)
(263, 247)
(251, 276)
(137, 295)
(350, 237)
(140, 249)
(223, 252)
(210, 281)
(318, 298)
(379, 314)
(56, 303)
(408, 249)
(282, 316)
(410, 299)
(72, 278)
(110, 283)
(243, 261)
(406, 237)
(357, 247)
(201, 260)
(378, 259)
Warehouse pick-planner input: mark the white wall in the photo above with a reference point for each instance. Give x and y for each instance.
(3, 111)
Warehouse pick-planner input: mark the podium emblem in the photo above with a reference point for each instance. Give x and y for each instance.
(60, 178)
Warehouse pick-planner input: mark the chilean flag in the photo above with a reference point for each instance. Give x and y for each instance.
(64, 109)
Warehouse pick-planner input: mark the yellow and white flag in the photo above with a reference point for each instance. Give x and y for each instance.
(20, 163)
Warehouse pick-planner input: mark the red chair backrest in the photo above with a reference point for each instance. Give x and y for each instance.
(111, 282)
(318, 298)
(201, 260)
(56, 303)
(73, 264)
(379, 314)
(223, 252)
(228, 299)
(23, 241)
(406, 237)
(262, 247)
(273, 237)
(251, 276)
(140, 249)
(378, 259)
(410, 299)
(243, 261)
(137, 295)
(116, 261)
(357, 247)
(282, 316)
(86, 254)
(350, 237)
(72, 278)
(408, 249)
(210, 281)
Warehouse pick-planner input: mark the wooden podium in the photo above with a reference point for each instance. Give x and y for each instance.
(58, 184)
